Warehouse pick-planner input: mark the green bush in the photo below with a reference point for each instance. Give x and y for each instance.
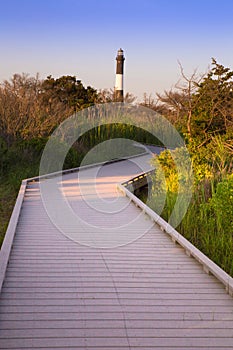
(222, 203)
(208, 222)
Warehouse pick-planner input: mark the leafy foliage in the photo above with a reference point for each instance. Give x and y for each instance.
(68, 92)
(30, 107)
(200, 106)
(222, 203)
(208, 223)
(213, 112)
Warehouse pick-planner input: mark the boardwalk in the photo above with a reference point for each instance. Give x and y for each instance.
(147, 294)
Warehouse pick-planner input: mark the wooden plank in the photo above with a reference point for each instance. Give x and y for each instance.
(113, 342)
(119, 316)
(214, 296)
(85, 332)
(112, 324)
(134, 302)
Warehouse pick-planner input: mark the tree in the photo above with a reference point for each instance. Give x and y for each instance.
(69, 92)
(214, 102)
(201, 105)
(30, 107)
(19, 104)
(108, 95)
(155, 104)
(180, 102)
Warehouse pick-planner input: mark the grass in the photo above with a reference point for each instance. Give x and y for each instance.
(9, 187)
(208, 223)
(7, 201)
(200, 227)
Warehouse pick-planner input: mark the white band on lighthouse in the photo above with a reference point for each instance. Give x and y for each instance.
(119, 82)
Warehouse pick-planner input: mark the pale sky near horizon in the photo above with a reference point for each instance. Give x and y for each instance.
(81, 37)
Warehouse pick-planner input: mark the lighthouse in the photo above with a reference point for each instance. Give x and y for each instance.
(119, 91)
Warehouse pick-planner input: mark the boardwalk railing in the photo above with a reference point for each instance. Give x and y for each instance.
(10, 233)
(138, 181)
(208, 265)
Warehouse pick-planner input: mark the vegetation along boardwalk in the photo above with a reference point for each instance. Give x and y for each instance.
(146, 294)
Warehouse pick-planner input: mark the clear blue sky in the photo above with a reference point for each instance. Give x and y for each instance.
(81, 37)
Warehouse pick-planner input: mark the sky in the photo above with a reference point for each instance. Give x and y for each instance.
(81, 38)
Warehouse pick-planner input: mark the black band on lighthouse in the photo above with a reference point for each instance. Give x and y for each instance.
(120, 67)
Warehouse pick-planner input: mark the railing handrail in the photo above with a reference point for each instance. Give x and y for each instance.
(137, 178)
(10, 233)
(208, 265)
(83, 167)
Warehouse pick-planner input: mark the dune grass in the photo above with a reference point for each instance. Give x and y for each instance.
(208, 223)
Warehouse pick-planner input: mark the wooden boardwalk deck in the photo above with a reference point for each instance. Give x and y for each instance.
(148, 294)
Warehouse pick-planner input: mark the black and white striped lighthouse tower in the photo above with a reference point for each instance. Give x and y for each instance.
(119, 91)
